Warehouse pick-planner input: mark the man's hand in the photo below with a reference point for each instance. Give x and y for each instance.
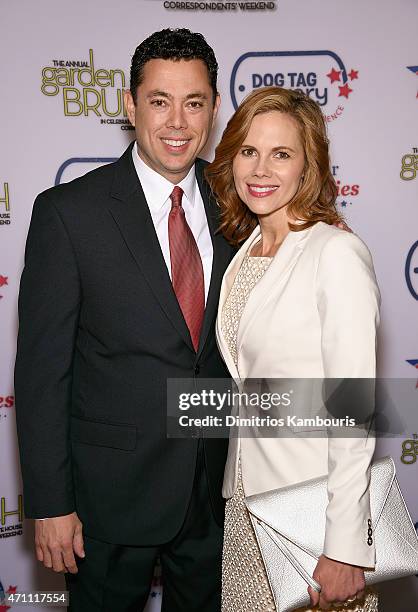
(56, 541)
(339, 582)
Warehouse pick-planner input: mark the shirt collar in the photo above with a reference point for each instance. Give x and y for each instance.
(158, 189)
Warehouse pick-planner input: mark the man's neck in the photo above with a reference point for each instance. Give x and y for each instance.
(172, 177)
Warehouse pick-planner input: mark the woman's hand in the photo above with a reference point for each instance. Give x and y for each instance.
(340, 582)
(343, 225)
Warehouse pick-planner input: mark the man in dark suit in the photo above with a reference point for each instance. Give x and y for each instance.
(119, 293)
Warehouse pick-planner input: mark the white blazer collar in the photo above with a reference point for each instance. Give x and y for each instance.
(271, 284)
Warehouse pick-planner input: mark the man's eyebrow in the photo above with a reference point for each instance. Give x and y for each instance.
(163, 94)
(197, 94)
(159, 93)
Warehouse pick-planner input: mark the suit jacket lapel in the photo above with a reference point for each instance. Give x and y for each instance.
(222, 253)
(270, 285)
(273, 281)
(133, 218)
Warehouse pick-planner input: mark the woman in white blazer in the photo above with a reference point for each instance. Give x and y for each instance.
(299, 300)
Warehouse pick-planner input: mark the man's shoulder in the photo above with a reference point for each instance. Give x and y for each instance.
(200, 165)
(93, 187)
(97, 180)
(201, 162)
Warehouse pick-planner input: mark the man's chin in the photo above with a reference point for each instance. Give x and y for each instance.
(180, 169)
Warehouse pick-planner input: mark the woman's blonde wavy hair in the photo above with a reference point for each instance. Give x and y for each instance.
(315, 199)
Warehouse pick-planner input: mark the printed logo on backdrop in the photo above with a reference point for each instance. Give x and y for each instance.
(414, 69)
(4, 281)
(4, 204)
(219, 7)
(411, 270)
(11, 590)
(87, 91)
(347, 192)
(320, 74)
(416, 529)
(156, 583)
(409, 165)
(77, 166)
(410, 450)
(11, 516)
(414, 364)
(7, 403)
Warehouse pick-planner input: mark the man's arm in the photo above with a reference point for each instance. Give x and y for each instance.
(49, 306)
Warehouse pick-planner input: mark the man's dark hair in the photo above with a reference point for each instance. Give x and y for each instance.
(173, 44)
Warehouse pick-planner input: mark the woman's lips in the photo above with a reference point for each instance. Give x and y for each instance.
(261, 191)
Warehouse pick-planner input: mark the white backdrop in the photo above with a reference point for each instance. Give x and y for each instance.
(358, 59)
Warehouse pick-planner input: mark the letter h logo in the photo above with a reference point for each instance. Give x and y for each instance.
(4, 514)
(5, 199)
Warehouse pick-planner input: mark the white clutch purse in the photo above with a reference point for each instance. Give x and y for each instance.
(290, 527)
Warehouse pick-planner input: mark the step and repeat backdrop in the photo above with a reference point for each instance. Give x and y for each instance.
(64, 66)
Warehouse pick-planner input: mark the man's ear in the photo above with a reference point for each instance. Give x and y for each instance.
(129, 105)
(216, 107)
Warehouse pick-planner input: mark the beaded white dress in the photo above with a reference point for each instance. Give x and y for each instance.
(245, 587)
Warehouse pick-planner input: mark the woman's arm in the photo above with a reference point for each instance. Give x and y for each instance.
(348, 304)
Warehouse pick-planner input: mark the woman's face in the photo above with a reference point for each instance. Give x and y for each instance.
(269, 165)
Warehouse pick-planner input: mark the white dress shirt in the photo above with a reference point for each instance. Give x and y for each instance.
(157, 191)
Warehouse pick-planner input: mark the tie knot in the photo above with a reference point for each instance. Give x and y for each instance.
(176, 196)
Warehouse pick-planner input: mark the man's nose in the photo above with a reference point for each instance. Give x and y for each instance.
(177, 118)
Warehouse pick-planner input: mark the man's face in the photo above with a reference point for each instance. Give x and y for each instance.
(173, 115)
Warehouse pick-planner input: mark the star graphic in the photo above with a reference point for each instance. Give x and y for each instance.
(153, 594)
(345, 90)
(343, 203)
(334, 75)
(3, 280)
(413, 69)
(11, 589)
(353, 74)
(414, 363)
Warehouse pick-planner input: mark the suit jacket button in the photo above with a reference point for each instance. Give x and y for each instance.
(197, 369)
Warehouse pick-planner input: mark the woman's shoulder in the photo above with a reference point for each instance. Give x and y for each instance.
(331, 241)
(342, 257)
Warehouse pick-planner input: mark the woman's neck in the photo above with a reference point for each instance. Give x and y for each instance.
(273, 232)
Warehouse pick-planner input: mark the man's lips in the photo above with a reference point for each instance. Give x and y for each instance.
(261, 191)
(177, 145)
